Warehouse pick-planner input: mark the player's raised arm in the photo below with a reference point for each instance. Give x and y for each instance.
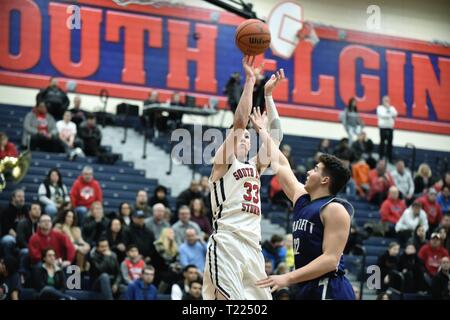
(274, 124)
(270, 154)
(336, 221)
(241, 117)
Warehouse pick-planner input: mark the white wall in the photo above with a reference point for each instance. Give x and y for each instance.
(291, 126)
(416, 19)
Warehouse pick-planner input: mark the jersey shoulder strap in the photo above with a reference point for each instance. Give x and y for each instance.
(347, 205)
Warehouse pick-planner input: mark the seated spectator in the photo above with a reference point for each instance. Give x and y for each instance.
(53, 194)
(324, 146)
(190, 273)
(443, 199)
(85, 191)
(360, 174)
(67, 224)
(125, 213)
(391, 210)
(383, 296)
(105, 270)
(118, 238)
(195, 291)
(142, 236)
(142, 203)
(268, 267)
(156, 223)
(445, 224)
(39, 129)
(389, 262)
(7, 149)
(440, 284)
(412, 269)
(143, 288)
(355, 240)
(410, 219)
(206, 194)
(419, 237)
(277, 195)
(282, 294)
(95, 225)
(169, 267)
(431, 208)
(445, 241)
(363, 148)
(45, 238)
(274, 250)
(444, 181)
(91, 136)
(25, 229)
(403, 181)
(159, 196)
(184, 222)
(198, 215)
(9, 279)
(185, 197)
(55, 98)
(380, 181)
(286, 151)
(49, 279)
(132, 266)
(343, 151)
(67, 131)
(432, 253)
(422, 180)
(193, 250)
(9, 218)
(78, 115)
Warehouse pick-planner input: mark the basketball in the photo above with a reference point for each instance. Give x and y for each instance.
(252, 37)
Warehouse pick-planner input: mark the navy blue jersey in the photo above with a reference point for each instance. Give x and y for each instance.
(307, 228)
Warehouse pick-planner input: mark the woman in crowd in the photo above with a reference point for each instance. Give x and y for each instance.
(53, 194)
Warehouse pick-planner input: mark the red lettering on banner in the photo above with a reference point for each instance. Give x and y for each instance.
(281, 92)
(134, 27)
(396, 79)
(426, 82)
(302, 92)
(347, 76)
(60, 41)
(204, 55)
(30, 35)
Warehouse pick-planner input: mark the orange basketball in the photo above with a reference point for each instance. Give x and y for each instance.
(252, 37)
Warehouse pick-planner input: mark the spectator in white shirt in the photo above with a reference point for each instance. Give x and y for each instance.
(410, 219)
(404, 181)
(386, 119)
(67, 132)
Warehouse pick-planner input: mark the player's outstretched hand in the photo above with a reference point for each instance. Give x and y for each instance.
(274, 282)
(258, 120)
(272, 83)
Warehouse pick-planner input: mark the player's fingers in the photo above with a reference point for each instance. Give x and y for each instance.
(253, 60)
(282, 73)
(274, 288)
(264, 283)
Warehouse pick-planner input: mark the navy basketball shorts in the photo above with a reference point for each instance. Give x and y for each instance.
(330, 288)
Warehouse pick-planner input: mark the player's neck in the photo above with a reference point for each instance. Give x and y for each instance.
(319, 193)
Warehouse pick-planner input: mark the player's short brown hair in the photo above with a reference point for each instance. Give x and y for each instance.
(335, 169)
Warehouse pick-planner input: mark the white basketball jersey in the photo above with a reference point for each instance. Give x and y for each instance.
(236, 203)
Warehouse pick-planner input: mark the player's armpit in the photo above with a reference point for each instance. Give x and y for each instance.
(336, 221)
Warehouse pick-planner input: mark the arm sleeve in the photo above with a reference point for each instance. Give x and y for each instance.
(274, 120)
(27, 125)
(124, 271)
(42, 194)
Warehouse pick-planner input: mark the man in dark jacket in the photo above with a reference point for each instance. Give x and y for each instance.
(25, 229)
(55, 99)
(441, 282)
(9, 218)
(95, 225)
(105, 270)
(141, 236)
(91, 136)
(185, 197)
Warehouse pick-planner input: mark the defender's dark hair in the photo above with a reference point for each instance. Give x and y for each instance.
(335, 169)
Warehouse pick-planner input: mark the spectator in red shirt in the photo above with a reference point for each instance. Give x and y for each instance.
(45, 238)
(432, 253)
(85, 191)
(431, 208)
(380, 181)
(7, 149)
(391, 210)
